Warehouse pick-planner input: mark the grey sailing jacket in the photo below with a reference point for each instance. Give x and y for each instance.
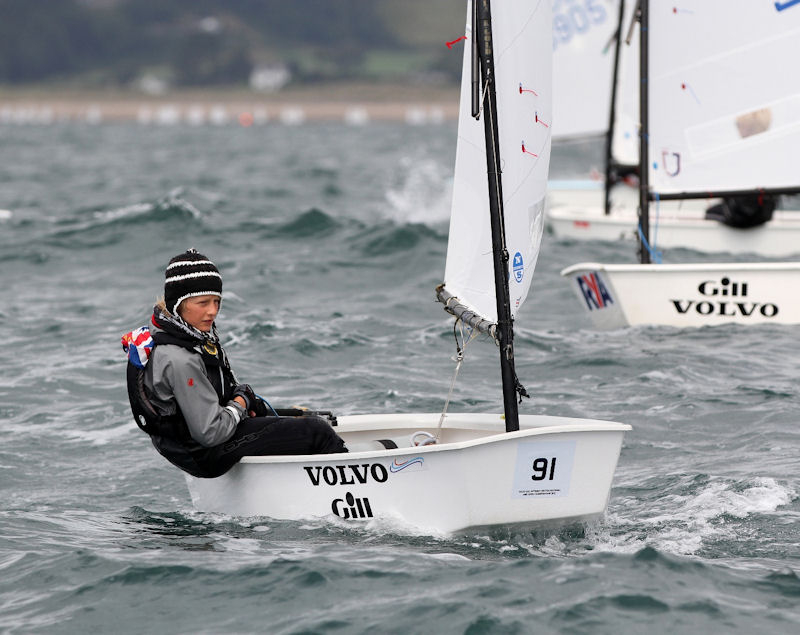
(176, 377)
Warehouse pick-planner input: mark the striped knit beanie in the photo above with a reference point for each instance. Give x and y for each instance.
(188, 275)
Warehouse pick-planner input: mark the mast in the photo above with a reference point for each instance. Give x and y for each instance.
(610, 166)
(505, 329)
(644, 131)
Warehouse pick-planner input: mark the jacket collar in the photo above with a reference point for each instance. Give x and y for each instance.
(177, 327)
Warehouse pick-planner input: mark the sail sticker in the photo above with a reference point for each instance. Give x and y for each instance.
(755, 122)
(782, 6)
(518, 267)
(527, 90)
(412, 465)
(594, 291)
(671, 167)
(543, 469)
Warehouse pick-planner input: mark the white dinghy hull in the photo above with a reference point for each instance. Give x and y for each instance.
(554, 470)
(687, 295)
(675, 225)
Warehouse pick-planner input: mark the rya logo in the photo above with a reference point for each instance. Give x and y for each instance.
(594, 291)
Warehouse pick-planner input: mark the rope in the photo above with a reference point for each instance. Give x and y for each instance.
(459, 358)
(655, 229)
(483, 100)
(655, 256)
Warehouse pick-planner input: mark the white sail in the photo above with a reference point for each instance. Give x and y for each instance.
(523, 68)
(583, 66)
(724, 95)
(583, 63)
(625, 144)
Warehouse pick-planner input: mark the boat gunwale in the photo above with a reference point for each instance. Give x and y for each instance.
(682, 267)
(569, 425)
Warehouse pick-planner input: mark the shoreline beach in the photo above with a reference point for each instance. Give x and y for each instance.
(352, 104)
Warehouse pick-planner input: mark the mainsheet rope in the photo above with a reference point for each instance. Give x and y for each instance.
(459, 359)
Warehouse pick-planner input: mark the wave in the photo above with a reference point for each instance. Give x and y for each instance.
(423, 193)
(111, 226)
(391, 239)
(694, 521)
(313, 222)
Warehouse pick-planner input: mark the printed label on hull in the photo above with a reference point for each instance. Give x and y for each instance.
(351, 508)
(726, 298)
(543, 469)
(347, 474)
(595, 292)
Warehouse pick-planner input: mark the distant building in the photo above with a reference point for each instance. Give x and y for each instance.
(269, 78)
(152, 84)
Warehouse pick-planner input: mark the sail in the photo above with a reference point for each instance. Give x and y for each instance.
(724, 96)
(583, 63)
(523, 66)
(625, 144)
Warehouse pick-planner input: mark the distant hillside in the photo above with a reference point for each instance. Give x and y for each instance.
(182, 43)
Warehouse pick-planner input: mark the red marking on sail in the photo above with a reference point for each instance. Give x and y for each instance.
(685, 86)
(190, 382)
(528, 151)
(540, 121)
(527, 90)
(450, 44)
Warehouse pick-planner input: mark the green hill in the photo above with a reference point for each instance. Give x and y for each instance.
(113, 43)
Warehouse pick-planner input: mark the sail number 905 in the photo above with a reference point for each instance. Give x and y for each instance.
(544, 469)
(574, 18)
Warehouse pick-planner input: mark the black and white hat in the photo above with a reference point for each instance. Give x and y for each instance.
(188, 275)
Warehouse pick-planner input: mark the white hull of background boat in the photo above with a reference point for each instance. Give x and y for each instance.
(577, 214)
(552, 469)
(687, 295)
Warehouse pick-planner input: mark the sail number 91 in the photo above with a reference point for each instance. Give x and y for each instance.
(544, 469)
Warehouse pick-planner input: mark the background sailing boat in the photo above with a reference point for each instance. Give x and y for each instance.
(717, 121)
(682, 221)
(595, 74)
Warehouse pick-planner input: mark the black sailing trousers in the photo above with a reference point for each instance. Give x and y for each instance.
(259, 436)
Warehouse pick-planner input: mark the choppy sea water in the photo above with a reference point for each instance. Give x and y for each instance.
(331, 241)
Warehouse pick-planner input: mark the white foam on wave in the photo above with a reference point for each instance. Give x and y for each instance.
(423, 194)
(5, 214)
(685, 524)
(173, 199)
(122, 212)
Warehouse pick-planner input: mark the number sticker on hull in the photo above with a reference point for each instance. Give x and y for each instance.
(543, 469)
